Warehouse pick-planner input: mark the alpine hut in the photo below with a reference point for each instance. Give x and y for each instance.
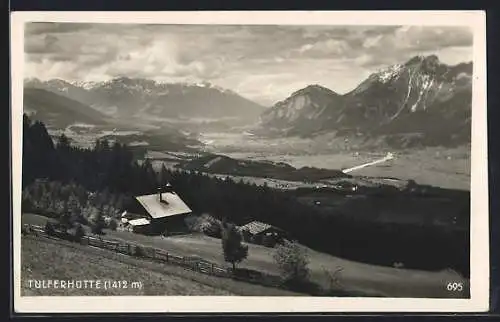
(159, 213)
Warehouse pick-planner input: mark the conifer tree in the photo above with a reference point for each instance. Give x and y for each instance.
(234, 251)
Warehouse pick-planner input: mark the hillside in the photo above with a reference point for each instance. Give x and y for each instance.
(422, 102)
(56, 259)
(360, 278)
(59, 111)
(126, 98)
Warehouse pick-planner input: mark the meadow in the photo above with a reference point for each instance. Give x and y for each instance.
(44, 259)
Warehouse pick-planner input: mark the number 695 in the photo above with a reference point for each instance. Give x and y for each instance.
(454, 287)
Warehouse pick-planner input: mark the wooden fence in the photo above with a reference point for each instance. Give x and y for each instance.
(160, 255)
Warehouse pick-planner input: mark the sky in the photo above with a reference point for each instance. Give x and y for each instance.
(263, 63)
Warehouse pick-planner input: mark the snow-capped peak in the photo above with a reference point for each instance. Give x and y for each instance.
(203, 84)
(85, 84)
(389, 73)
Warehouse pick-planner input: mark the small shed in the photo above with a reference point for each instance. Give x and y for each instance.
(140, 225)
(258, 232)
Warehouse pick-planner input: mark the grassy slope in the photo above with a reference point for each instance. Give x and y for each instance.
(364, 278)
(53, 259)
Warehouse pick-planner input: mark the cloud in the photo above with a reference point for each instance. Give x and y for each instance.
(408, 41)
(264, 63)
(330, 47)
(419, 37)
(42, 45)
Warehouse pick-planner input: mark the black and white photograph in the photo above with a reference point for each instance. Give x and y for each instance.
(324, 158)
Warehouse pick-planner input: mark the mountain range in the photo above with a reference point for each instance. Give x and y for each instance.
(420, 102)
(129, 98)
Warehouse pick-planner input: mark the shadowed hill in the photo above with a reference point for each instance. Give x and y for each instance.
(59, 111)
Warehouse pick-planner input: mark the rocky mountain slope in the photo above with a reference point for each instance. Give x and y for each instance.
(302, 110)
(147, 99)
(420, 102)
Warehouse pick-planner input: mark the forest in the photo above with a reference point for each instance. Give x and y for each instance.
(59, 178)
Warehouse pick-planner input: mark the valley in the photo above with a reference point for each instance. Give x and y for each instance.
(418, 110)
(435, 166)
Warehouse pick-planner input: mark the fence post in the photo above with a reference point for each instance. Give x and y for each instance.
(212, 268)
(166, 257)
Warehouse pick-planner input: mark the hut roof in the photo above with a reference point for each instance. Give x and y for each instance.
(170, 205)
(139, 222)
(256, 227)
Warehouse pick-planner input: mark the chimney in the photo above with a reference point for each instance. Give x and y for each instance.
(159, 194)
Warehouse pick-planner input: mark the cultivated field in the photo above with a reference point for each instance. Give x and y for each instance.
(355, 277)
(441, 167)
(437, 167)
(45, 259)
